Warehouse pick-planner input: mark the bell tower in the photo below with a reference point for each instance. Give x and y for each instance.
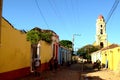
(101, 36)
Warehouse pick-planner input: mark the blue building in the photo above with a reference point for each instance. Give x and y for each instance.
(64, 55)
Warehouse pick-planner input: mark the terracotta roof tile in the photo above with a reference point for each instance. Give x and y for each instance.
(110, 47)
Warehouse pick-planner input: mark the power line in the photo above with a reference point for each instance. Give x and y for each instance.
(41, 14)
(56, 12)
(112, 10)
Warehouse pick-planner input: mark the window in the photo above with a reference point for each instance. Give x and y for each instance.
(101, 31)
(101, 26)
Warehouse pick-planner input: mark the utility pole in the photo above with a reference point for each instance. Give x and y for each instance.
(73, 39)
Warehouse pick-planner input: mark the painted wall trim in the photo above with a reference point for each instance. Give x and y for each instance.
(11, 75)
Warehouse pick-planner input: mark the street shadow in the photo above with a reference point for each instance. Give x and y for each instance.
(91, 78)
(84, 69)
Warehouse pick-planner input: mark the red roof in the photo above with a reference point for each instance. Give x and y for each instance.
(110, 47)
(100, 17)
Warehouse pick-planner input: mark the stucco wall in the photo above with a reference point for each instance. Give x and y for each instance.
(113, 57)
(45, 52)
(95, 56)
(14, 49)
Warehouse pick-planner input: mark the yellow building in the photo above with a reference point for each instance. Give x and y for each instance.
(112, 55)
(109, 57)
(1, 1)
(14, 52)
(109, 53)
(45, 51)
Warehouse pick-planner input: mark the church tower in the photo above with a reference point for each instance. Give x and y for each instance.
(101, 36)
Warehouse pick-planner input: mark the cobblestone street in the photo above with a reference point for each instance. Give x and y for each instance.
(75, 72)
(63, 73)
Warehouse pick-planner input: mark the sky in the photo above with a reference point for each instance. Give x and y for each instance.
(64, 17)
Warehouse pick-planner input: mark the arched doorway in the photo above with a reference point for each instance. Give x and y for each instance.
(101, 44)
